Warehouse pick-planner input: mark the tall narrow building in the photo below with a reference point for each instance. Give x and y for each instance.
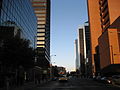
(82, 49)
(77, 60)
(95, 29)
(42, 11)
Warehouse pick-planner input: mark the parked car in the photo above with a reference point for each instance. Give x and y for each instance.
(54, 79)
(98, 78)
(106, 80)
(116, 79)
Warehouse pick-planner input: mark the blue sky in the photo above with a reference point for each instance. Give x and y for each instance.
(66, 17)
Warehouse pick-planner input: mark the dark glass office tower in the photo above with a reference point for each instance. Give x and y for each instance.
(42, 11)
(19, 13)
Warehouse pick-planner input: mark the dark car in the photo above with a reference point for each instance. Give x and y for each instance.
(116, 79)
(107, 80)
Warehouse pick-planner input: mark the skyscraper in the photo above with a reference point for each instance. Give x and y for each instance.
(95, 29)
(18, 20)
(20, 14)
(82, 49)
(77, 60)
(42, 11)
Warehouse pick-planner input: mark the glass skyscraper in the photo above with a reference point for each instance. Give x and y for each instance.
(42, 11)
(19, 13)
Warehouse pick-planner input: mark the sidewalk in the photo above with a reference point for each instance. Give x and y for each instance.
(26, 85)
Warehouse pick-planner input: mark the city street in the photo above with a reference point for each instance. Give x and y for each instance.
(75, 84)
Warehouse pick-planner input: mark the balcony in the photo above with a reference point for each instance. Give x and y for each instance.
(104, 7)
(105, 20)
(105, 13)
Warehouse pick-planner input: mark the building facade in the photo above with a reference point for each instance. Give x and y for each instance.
(104, 31)
(95, 29)
(42, 11)
(77, 60)
(88, 49)
(82, 49)
(20, 14)
(17, 18)
(110, 23)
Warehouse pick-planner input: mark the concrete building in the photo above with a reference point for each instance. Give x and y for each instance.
(104, 29)
(110, 22)
(77, 58)
(82, 49)
(88, 49)
(95, 29)
(42, 11)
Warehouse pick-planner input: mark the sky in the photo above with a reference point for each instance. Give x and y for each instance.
(66, 17)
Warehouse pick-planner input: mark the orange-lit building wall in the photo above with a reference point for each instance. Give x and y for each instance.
(109, 47)
(109, 40)
(109, 12)
(114, 10)
(114, 35)
(95, 26)
(104, 50)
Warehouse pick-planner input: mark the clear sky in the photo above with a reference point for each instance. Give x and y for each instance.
(66, 17)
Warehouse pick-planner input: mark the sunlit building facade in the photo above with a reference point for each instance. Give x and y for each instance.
(110, 48)
(95, 29)
(104, 20)
(21, 14)
(42, 11)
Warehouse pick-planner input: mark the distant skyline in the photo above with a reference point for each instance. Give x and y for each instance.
(66, 17)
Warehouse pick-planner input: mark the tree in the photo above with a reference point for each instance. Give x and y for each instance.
(16, 51)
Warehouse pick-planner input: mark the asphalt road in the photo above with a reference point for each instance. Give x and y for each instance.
(75, 84)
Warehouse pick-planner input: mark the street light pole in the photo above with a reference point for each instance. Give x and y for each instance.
(51, 66)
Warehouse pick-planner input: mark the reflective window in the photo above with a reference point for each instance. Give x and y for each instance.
(40, 46)
(41, 38)
(39, 0)
(41, 30)
(41, 26)
(39, 4)
(40, 11)
(40, 34)
(22, 14)
(40, 42)
(41, 22)
(41, 18)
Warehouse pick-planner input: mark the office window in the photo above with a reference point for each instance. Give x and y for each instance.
(39, 0)
(40, 11)
(41, 30)
(39, 4)
(40, 34)
(41, 26)
(41, 22)
(41, 18)
(40, 42)
(41, 38)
